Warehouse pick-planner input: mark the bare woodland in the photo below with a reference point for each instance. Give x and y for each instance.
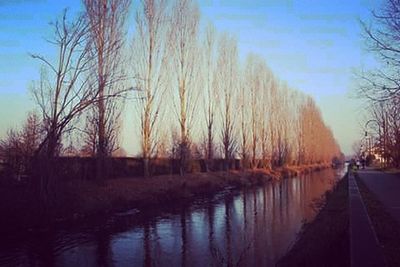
(192, 95)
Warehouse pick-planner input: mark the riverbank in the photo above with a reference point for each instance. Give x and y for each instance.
(324, 241)
(79, 199)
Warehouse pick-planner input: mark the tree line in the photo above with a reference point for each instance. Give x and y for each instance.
(193, 96)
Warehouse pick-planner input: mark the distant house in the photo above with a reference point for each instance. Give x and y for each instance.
(377, 152)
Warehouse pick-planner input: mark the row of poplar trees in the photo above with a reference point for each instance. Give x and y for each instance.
(185, 82)
(192, 80)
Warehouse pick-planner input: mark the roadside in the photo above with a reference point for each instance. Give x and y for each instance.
(79, 199)
(389, 170)
(324, 241)
(386, 227)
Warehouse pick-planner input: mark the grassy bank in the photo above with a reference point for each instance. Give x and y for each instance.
(390, 170)
(324, 241)
(79, 199)
(387, 229)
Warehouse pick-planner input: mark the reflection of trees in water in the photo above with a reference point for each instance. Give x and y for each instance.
(270, 218)
(103, 250)
(280, 202)
(218, 257)
(147, 245)
(228, 230)
(236, 243)
(41, 252)
(256, 229)
(287, 203)
(211, 235)
(253, 228)
(244, 210)
(264, 205)
(151, 245)
(184, 247)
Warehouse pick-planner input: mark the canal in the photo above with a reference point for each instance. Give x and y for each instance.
(248, 227)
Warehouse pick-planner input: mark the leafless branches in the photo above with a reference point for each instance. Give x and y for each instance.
(382, 37)
(106, 20)
(258, 117)
(381, 86)
(227, 72)
(63, 93)
(150, 69)
(19, 146)
(183, 51)
(210, 84)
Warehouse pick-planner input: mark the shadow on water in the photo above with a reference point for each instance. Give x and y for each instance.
(249, 227)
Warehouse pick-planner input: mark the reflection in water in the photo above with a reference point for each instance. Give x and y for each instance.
(252, 227)
(184, 238)
(103, 252)
(146, 245)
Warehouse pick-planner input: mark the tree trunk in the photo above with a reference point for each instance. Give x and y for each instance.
(146, 167)
(45, 165)
(101, 150)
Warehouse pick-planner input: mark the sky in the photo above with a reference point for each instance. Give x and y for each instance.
(315, 46)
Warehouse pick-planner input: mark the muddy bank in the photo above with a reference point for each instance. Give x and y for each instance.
(79, 199)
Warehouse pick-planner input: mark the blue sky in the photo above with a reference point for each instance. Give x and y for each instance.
(312, 45)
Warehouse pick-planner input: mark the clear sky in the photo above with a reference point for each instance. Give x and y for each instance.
(314, 45)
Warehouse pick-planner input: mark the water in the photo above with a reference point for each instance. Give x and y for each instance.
(250, 227)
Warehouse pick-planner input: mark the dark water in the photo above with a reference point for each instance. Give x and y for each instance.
(252, 227)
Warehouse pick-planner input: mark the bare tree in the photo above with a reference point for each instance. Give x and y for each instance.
(89, 133)
(266, 82)
(107, 21)
(19, 146)
(381, 86)
(32, 133)
(227, 71)
(253, 83)
(210, 94)
(62, 94)
(381, 38)
(113, 122)
(385, 123)
(183, 45)
(307, 118)
(318, 144)
(297, 130)
(393, 131)
(282, 118)
(11, 152)
(244, 122)
(163, 149)
(150, 65)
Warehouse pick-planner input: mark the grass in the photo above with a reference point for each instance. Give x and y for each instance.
(391, 170)
(386, 169)
(386, 227)
(324, 241)
(80, 199)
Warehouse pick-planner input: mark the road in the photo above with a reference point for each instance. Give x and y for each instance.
(386, 187)
(365, 250)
